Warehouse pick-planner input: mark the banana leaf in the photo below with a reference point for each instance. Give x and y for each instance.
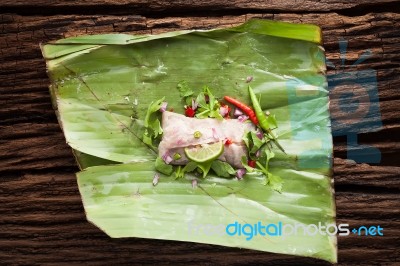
(101, 86)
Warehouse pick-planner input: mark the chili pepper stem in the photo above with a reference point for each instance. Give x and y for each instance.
(278, 145)
(275, 140)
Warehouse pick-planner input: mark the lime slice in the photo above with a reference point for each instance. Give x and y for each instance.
(205, 152)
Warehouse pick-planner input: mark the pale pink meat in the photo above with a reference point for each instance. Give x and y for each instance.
(179, 133)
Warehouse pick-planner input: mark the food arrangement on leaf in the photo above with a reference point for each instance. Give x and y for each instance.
(180, 130)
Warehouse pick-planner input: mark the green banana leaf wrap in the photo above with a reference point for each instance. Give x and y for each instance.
(101, 86)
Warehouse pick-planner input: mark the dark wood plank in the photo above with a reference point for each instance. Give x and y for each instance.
(208, 5)
(42, 217)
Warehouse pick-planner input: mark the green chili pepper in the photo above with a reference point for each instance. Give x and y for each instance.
(197, 134)
(177, 156)
(262, 118)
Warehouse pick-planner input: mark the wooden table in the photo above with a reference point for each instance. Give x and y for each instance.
(42, 219)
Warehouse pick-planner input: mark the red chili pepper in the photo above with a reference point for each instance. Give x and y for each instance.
(228, 142)
(189, 111)
(246, 109)
(251, 163)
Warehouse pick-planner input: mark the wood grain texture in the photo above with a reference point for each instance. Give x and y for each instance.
(207, 5)
(42, 219)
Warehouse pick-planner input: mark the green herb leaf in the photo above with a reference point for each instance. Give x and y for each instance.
(271, 119)
(211, 98)
(162, 167)
(270, 154)
(184, 89)
(247, 140)
(205, 167)
(215, 114)
(181, 171)
(210, 109)
(257, 143)
(274, 181)
(152, 123)
(156, 126)
(153, 108)
(190, 167)
(253, 143)
(222, 169)
(147, 139)
(201, 100)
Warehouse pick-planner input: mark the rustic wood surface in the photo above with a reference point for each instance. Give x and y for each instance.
(42, 219)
